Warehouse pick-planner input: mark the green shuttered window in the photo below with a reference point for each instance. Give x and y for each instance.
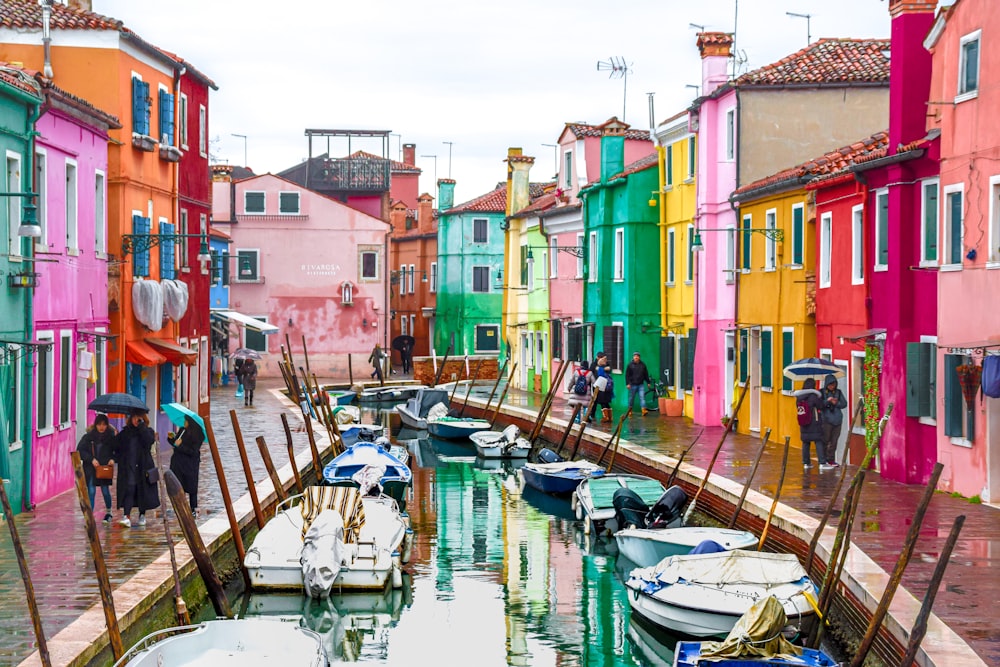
(798, 231)
(687, 360)
(921, 372)
(766, 360)
(954, 401)
(787, 357)
(747, 247)
(954, 230)
(930, 206)
(744, 354)
(882, 229)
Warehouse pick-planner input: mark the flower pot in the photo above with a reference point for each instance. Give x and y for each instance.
(672, 407)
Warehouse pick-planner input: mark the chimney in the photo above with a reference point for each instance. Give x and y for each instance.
(223, 193)
(425, 213)
(612, 147)
(715, 48)
(909, 70)
(397, 217)
(446, 194)
(81, 5)
(410, 154)
(518, 184)
(222, 173)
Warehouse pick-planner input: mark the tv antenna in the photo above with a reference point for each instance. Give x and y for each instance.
(619, 69)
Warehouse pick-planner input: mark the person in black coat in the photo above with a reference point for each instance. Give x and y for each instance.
(97, 446)
(248, 378)
(186, 459)
(636, 377)
(135, 461)
(808, 408)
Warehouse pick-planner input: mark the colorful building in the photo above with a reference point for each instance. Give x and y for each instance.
(70, 303)
(964, 62)
(413, 263)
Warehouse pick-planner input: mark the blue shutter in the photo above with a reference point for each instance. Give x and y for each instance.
(168, 251)
(766, 360)
(166, 383)
(140, 106)
(166, 118)
(798, 230)
(140, 259)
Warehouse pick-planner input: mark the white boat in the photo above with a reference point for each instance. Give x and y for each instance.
(505, 444)
(415, 412)
(330, 538)
(648, 546)
(241, 642)
(704, 595)
(592, 499)
(456, 428)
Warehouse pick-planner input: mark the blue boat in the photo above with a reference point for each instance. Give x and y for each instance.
(687, 654)
(352, 433)
(559, 478)
(456, 428)
(395, 481)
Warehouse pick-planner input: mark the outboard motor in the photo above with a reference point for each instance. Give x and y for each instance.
(666, 513)
(629, 509)
(366, 435)
(546, 455)
(383, 443)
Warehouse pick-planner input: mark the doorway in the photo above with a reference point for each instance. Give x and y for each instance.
(727, 394)
(992, 494)
(845, 432)
(81, 394)
(754, 379)
(525, 358)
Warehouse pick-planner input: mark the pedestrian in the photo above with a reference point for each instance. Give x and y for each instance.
(248, 378)
(238, 374)
(375, 359)
(833, 402)
(578, 386)
(636, 377)
(137, 473)
(808, 406)
(186, 459)
(97, 447)
(605, 387)
(597, 361)
(407, 354)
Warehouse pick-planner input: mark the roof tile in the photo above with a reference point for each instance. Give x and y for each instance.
(28, 14)
(495, 201)
(826, 61)
(581, 130)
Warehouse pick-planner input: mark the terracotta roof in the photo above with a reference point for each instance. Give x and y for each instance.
(546, 201)
(396, 167)
(826, 61)
(20, 78)
(639, 165)
(827, 165)
(495, 201)
(585, 130)
(82, 104)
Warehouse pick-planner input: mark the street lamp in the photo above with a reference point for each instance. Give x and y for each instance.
(137, 243)
(244, 138)
(768, 232)
(450, 144)
(29, 227)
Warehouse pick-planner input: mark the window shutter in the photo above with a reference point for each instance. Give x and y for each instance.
(166, 118)
(692, 343)
(797, 235)
(954, 402)
(167, 384)
(670, 165)
(574, 343)
(683, 379)
(138, 107)
(883, 229)
(787, 357)
(167, 252)
(524, 266)
(918, 382)
(613, 346)
(955, 228)
(766, 363)
(140, 260)
(747, 247)
(931, 222)
(667, 357)
(744, 353)
(557, 329)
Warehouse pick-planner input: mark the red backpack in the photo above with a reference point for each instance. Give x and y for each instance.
(806, 413)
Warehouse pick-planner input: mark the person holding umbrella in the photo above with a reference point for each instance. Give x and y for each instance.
(137, 472)
(186, 458)
(248, 378)
(97, 447)
(833, 419)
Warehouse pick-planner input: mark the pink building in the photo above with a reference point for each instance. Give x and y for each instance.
(964, 107)
(308, 264)
(70, 304)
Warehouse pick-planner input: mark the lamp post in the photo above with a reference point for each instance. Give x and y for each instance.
(136, 243)
(29, 226)
(244, 138)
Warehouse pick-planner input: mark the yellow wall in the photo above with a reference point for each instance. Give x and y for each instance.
(775, 300)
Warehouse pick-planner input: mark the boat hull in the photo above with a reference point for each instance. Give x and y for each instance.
(409, 420)
(646, 547)
(456, 430)
(687, 654)
(349, 432)
(597, 511)
(489, 446)
(555, 484)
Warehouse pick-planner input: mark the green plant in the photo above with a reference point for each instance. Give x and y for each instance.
(976, 500)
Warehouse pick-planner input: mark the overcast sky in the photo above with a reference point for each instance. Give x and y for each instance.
(483, 75)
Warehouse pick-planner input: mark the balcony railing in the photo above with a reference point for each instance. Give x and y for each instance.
(350, 175)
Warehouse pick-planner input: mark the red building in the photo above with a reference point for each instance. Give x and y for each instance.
(414, 272)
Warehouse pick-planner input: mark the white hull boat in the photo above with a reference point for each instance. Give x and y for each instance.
(417, 410)
(648, 546)
(506, 444)
(704, 595)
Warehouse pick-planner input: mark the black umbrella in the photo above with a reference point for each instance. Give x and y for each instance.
(117, 403)
(401, 343)
(245, 353)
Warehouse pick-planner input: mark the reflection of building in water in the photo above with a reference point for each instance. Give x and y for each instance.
(604, 611)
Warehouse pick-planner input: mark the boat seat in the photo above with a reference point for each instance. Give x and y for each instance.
(344, 499)
(649, 490)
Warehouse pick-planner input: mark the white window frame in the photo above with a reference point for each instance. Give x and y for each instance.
(932, 421)
(671, 257)
(553, 258)
(182, 122)
(592, 269)
(47, 384)
(542, 345)
(529, 279)
(102, 375)
(731, 254)
(206, 266)
(746, 250)
(413, 324)
(771, 245)
(486, 226)
(826, 353)
(796, 239)
(254, 192)
(434, 277)
(239, 276)
(14, 204)
(42, 201)
(689, 262)
(401, 274)
(475, 336)
(184, 256)
(781, 379)
(924, 261)
(963, 95)
(884, 192)
(298, 201)
(858, 245)
(568, 169)
(619, 258)
(409, 279)
(66, 335)
(825, 249)
(945, 246)
(361, 264)
(993, 238)
(857, 357)
(691, 155)
(730, 138)
(100, 214)
(472, 277)
(529, 341)
(404, 323)
(579, 260)
(203, 131)
(72, 194)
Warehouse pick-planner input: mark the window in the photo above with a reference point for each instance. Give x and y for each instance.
(480, 230)
(568, 170)
(592, 269)
(529, 277)
(554, 258)
(100, 214)
(953, 225)
(480, 279)
(744, 354)
(182, 121)
(72, 208)
(668, 360)
(731, 134)
(687, 349)
(858, 245)
(255, 340)
(959, 420)
(689, 268)
(858, 384)
(557, 339)
(670, 165)
(140, 106)
(203, 234)
(14, 204)
(100, 353)
(968, 68)
(288, 203)
(881, 230)
(140, 259)
(185, 229)
(409, 279)
(65, 377)
(993, 256)
(747, 243)
(168, 250)
(798, 234)
(671, 254)
(771, 246)
(691, 154)
(574, 342)
(166, 117)
(203, 131)
(921, 379)
(619, 254)
(731, 255)
(434, 277)
(401, 278)
(929, 216)
(254, 203)
(542, 363)
(787, 357)
(487, 338)
(41, 201)
(825, 248)
(14, 399)
(614, 346)
(249, 263)
(766, 359)
(404, 323)
(579, 260)
(44, 392)
(369, 265)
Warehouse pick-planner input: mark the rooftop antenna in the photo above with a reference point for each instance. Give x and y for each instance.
(619, 69)
(697, 89)
(808, 18)
(699, 28)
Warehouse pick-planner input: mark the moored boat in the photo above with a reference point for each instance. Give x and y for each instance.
(594, 504)
(397, 475)
(506, 444)
(415, 411)
(559, 478)
(648, 546)
(456, 428)
(389, 393)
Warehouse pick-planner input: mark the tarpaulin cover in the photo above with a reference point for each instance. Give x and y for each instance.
(731, 567)
(428, 398)
(756, 633)
(147, 303)
(345, 499)
(175, 298)
(437, 411)
(321, 553)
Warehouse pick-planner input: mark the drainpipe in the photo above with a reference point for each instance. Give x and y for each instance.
(47, 37)
(661, 154)
(29, 177)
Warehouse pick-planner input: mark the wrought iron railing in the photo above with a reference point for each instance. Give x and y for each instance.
(350, 174)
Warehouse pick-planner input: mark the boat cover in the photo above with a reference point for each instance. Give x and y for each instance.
(321, 553)
(369, 478)
(718, 569)
(756, 633)
(585, 467)
(346, 500)
(427, 398)
(437, 411)
(147, 303)
(602, 489)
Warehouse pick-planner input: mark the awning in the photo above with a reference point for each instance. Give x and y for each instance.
(974, 345)
(246, 320)
(141, 354)
(863, 335)
(173, 352)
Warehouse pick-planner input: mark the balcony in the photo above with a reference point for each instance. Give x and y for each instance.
(357, 174)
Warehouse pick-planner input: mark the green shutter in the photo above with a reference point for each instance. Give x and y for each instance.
(667, 354)
(671, 256)
(524, 266)
(931, 222)
(747, 223)
(787, 357)
(688, 360)
(954, 402)
(670, 165)
(766, 361)
(684, 381)
(883, 229)
(919, 392)
(955, 228)
(744, 354)
(798, 230)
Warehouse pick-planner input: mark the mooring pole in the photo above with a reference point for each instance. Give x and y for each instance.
(500, 375)
(684, 453)
(183, 617)
(753, 471)
(777, 495)
(279, 490)
(227, 501)
(251, 486)
(291, 452)
(569, 427)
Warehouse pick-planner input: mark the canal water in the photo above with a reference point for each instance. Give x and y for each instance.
(496, 577)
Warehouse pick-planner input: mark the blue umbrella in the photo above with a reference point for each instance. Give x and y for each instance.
(176, 412)
(814, 368)
(117, 403)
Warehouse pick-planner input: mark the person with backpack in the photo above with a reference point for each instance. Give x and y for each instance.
(578, 386)
(605, 387)
(833, 402)
(807, 410)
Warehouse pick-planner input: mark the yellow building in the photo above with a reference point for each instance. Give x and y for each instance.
(677, 148)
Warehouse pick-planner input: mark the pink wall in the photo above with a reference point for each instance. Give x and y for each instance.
(304, 261)
(72, 292)
(566, 294)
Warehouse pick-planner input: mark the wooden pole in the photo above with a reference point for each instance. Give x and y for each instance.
(269, 464)
(317, 462)
(22, 564)
(350, 369)
(183, 617)
(201, 556)
(437, 378)
(583, 424)
(291, 452)
(722, 440)
(753, 471)
(547, 404)
(897, 573)
(288, 344)
(677, 467)
(618, 439)
(454, 388)
(251, 486)
(614, 435)
(569, 427)
(305, 354)
(500, 376)
(920, 625)
(503, 395)
(472, 384)
(777, 495)
(227, 501)
(332, 427)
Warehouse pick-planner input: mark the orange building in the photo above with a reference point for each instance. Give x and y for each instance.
(414, 277)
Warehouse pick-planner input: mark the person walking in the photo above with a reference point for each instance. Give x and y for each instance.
(407, 356)
(578, 387)
(248, 378)
(186, 459)
(636, 377)
(808, 407)
(375, 359)
(605, 387)
(833, 402)
(97, 447)
(137, 472)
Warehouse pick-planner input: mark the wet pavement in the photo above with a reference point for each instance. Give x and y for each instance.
(55, 541)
